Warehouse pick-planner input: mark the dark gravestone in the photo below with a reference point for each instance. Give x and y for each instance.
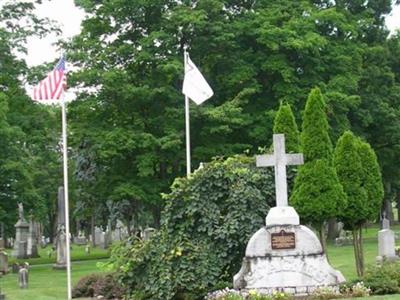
(61, 262)
(15, 268)
(3, 262)
(61, 207)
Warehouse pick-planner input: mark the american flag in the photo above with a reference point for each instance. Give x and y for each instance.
(52, 87)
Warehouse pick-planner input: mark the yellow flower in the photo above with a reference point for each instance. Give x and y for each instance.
(253, 292)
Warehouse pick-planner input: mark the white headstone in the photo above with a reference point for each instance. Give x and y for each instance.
(283, 255)
(386, 242)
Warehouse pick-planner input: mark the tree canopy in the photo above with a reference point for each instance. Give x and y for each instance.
(254, 54)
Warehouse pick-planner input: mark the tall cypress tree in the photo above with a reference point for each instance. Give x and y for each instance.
(359, 174)
(318, 195)
(285, 123)
(315, 140)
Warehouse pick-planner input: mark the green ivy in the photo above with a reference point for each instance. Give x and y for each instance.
(206, 224)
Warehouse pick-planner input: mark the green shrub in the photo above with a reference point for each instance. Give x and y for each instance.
(206, 224)
(98, 284)
(383, 279)
(108, 287)
(84, 287)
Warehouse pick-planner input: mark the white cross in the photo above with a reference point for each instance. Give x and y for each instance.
(279, 159)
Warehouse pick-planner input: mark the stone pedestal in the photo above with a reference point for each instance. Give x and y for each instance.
(21, 240)
(386, 245)
(32, 250)
(285, 256)
(61, 263)
(3, 262)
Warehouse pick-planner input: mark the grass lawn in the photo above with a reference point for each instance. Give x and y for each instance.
(48, 284)
(45, 283)
(77, 254)
(386, 297)
(342, 258)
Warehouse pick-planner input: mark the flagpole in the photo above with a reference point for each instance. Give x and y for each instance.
(187, 122)
(65, 159)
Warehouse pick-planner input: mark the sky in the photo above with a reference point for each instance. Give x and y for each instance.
(70, 17)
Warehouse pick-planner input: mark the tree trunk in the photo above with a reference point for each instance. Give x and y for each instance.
(333, 229)
(387, 205)
(361, 251)
(92, 229)
(128, 227)
(398, 206)
(322, 239)
(156, 216)
(52, 229)
(356, 251)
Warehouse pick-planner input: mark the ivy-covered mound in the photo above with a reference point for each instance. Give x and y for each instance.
(206, 224)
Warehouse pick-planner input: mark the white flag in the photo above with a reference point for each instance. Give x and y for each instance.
(194, 84)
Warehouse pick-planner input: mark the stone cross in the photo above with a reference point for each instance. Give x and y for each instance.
(279, 159)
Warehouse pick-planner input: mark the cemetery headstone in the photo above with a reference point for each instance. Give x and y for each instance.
(87, 249)
(121, 231)
(386, 243)
(43, 242)
(23, 277)
(61, 238)
(15, 268)
(3, 262)
(32, 250)
(284, 255)
(385, 222)
(61, 262)
(147, 233)
(80, 239)
(345, 238)
(98, 236)
(21, 237)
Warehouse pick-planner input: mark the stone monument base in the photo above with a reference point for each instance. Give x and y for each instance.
(59, 266)
(285, 257)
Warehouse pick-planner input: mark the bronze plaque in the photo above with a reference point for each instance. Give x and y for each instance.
(283, 240)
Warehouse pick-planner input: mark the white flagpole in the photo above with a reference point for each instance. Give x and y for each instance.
(187, 122)
(65, 156)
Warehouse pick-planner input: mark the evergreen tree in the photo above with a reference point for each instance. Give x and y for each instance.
(359, 174)
(315, 140)
(317, 194)
(285, 123)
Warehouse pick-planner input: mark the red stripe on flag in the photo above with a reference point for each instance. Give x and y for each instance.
(51, 87)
